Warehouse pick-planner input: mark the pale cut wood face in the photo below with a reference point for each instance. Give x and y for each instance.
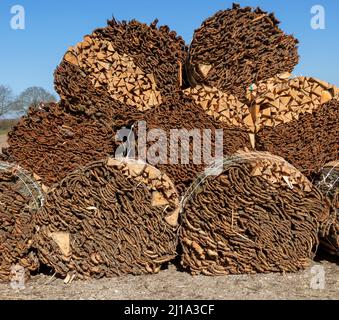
(269, 103)
(284, 98)
(116, 73)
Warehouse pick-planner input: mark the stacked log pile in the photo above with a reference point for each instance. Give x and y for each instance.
(53, 143)
(194, 122)
(135, 63)
(20, 198)
(259, 215)
(109, 218)
(328, 183)
(238, 47)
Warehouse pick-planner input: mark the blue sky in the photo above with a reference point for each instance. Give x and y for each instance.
(28, 57)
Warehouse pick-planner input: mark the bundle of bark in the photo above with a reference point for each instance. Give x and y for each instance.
(83, 99)
(238, 47)
(132, 62)
(109, 218)
(52, 142)
(328, 183)
(182, 139)
(259, 215)
(309, 142)
(20, 198)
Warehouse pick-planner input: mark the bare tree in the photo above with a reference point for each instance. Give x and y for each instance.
(32, 97)
(6, 99)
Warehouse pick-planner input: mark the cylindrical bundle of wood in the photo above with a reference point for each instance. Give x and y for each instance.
(109, 218)
(259, 215)
(132, 62)
(328, 183)
(53, 143)
(181, 139)
(238, 47)
(20, 198)
(309, 142)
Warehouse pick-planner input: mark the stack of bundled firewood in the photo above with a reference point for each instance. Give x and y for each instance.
(328, 183)
(52, 143)
(237, 47)
(20, 198)
(104, 82)
(182, 108)
(109, 218)
(134, 63)
(260, 214)
(239, 67)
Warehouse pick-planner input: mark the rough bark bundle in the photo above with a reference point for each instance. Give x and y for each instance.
(110, 218)
(308, 143)
(282, 99)
(238, 47)
(132, 62)
(53, 143)
(20, 198)
(181, 113)
(80, 97)
(4, 157)
(328, 183)
(259, 215)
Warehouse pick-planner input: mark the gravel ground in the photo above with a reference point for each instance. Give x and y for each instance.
(172, 284)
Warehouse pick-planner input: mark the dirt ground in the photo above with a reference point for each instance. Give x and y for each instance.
(173, 284)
